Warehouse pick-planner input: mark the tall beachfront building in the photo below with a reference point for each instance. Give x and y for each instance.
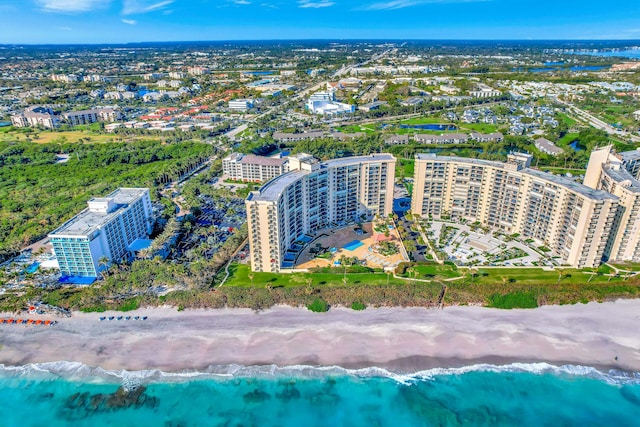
(619, 174)
(314, 196)
(106, 228)
(574, 221)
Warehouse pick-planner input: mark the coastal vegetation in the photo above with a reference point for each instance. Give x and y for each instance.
(41, 186)
(197, 285)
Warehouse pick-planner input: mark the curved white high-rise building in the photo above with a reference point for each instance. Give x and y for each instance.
(313, 196)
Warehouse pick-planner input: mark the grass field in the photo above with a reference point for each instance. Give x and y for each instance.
(567, 120)
(627, 266)
(46, 137)
(357, 128)
(538, 276)
(567, 139)
(424, 121)
(479, 127)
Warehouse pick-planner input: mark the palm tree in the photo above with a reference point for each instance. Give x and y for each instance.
(388, 275)
(474, 272)
(251, 275)
(560, 273)
(103, 264)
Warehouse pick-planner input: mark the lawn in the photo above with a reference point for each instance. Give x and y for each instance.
(240, 278)
(405, 168)
(567, 120)
(627, 266)
(538, 276)
(424, 121)
(567, 139)
(479, 127)
(435, 271)
(357, 128)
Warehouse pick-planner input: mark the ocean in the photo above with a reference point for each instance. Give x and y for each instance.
(72, 394)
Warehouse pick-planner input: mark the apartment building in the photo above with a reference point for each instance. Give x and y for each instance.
(574, 221)
(106, 228)
(86, 117)
(250, 168)
(36, 116)
(315, 195)
(619, 174)
(240, 104)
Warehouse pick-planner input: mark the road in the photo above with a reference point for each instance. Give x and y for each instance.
(598, 123)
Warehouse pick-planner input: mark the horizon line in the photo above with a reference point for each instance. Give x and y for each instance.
(364, 39)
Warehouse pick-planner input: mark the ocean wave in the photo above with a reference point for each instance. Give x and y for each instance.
(79, 372)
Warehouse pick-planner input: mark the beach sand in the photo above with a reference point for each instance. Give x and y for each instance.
(405, 340)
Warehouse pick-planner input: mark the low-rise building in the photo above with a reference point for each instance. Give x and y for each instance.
(240, 104)
(396, 139)
(296, 137)
(547, 147)
(36, 116)
(250, 168)
(86, 117)
(492, 137)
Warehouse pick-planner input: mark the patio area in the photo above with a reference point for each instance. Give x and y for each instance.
(361, 242)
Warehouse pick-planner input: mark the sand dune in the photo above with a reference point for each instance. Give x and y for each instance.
(402, 339)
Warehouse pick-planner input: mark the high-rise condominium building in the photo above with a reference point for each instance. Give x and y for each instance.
(619, 173)
(574, 221)
(105, 229)
(313, 196)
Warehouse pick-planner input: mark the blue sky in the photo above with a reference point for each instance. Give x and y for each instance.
(114, 21)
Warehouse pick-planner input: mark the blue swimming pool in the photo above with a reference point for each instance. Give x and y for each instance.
(352, 246)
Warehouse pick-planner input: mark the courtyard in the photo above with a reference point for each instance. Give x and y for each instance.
(375, 245)
(463, 245)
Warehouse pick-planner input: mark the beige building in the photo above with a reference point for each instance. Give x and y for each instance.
(250, 168)
(36, 116)
(571, 219)
(618, 173)
(289, 210)
(86, 117)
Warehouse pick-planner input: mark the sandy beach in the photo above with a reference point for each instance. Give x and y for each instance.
(406, 340)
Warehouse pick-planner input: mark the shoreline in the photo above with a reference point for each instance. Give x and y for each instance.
(402, 340)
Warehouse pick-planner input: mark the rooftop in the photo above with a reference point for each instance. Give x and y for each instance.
(88, 221)
(265, 161)
(630, 155)
(624, 178)
(272, 190)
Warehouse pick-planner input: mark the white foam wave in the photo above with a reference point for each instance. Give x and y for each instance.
(75, 371)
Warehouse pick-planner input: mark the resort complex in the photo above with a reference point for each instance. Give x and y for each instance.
(102, 233)
(288, 211)
(581, 225)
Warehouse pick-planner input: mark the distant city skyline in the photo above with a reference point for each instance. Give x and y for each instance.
(121, 21)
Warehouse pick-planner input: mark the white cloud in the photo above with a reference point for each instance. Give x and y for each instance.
(401, 4)
(243, 2)
(315, 4)
(129, 21)
(71, 6)
(131, 7)
(63, 28)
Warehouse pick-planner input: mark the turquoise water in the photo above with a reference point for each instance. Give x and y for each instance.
(516, 395)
